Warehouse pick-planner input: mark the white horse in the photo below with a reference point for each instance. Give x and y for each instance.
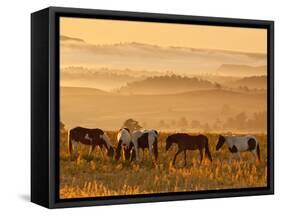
(237, 144)
(142, 139)
(124, 140)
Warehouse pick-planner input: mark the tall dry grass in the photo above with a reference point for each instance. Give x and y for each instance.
(101, 176)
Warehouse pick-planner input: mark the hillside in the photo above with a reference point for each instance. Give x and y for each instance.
(77, 91)
(102, 78)
(165, 84)
(241, 70)
(253, 82)
(141, 56)
(94, 108)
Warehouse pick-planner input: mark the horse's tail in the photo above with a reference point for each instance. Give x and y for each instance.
(69, 142)
(207, 150)
(155, 148)
(258, 152)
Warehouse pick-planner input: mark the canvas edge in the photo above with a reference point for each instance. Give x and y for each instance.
(53, 203)
(39, 108)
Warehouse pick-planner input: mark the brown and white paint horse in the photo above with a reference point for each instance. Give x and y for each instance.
(237, 144)
(124, 141)
(91, 137)
(187, 142)
(144, 139)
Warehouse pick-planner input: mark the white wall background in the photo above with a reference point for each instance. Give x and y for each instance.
(15, 106)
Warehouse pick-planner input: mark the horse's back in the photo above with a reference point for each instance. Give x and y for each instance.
(186, 136)
(124, 135)
(242, 142)
(97, 131)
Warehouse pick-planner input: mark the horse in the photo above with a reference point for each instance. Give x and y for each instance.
(237, 144)
(91, 137)
(124, 141)
(142, 139)
(187, 142)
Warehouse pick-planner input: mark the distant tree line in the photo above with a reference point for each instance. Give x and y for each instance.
(256, 122)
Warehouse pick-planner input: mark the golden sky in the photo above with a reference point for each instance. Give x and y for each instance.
(98, 31)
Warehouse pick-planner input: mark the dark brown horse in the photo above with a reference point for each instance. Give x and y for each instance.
(91, 137)
(187, 142)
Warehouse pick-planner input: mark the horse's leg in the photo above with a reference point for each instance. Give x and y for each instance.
(238, 155)
(255, 157)
(91, 149)
(174, 160)
(150, 151)
(143, 154)
(185, 157)
(75, 148)
(75, 154)
(230, 158)
(155, 150)
(133, 154)
(101, 152)
(201, 155)
(137, 151)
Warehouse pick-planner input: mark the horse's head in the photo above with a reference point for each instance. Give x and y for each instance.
(110, 152)
(127, 154)
(220, 142)
(169, 142)
(126, 149)
(118, 153)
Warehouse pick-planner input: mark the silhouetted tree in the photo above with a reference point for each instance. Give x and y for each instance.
(217, 124)
(240, 120)
(217, 85)
(63, 134)
(132, 124)
(144, 124)
(161, 123)
(173, 122)
(182, 122)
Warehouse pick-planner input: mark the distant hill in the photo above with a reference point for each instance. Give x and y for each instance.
(80, 73)
(102, 78)
(240, 70)
(78, 91)
(165, 84)
(104, 72)
(222, 94)
(253, 82)
(151, 57)
(95, 108)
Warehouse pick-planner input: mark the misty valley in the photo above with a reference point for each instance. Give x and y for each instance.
(170, 102)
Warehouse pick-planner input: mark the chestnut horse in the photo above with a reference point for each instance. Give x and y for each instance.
(187, 142)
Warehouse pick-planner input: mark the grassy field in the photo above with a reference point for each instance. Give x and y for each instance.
(97, 176)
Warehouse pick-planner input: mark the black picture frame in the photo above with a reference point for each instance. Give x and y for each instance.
(45, 106)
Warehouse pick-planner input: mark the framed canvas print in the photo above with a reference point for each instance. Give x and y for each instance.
(139, 107)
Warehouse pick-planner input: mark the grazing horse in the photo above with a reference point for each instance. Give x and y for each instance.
(143, 139)
(124, 141)
(91, 137)
(187, 142)
(237, 144)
